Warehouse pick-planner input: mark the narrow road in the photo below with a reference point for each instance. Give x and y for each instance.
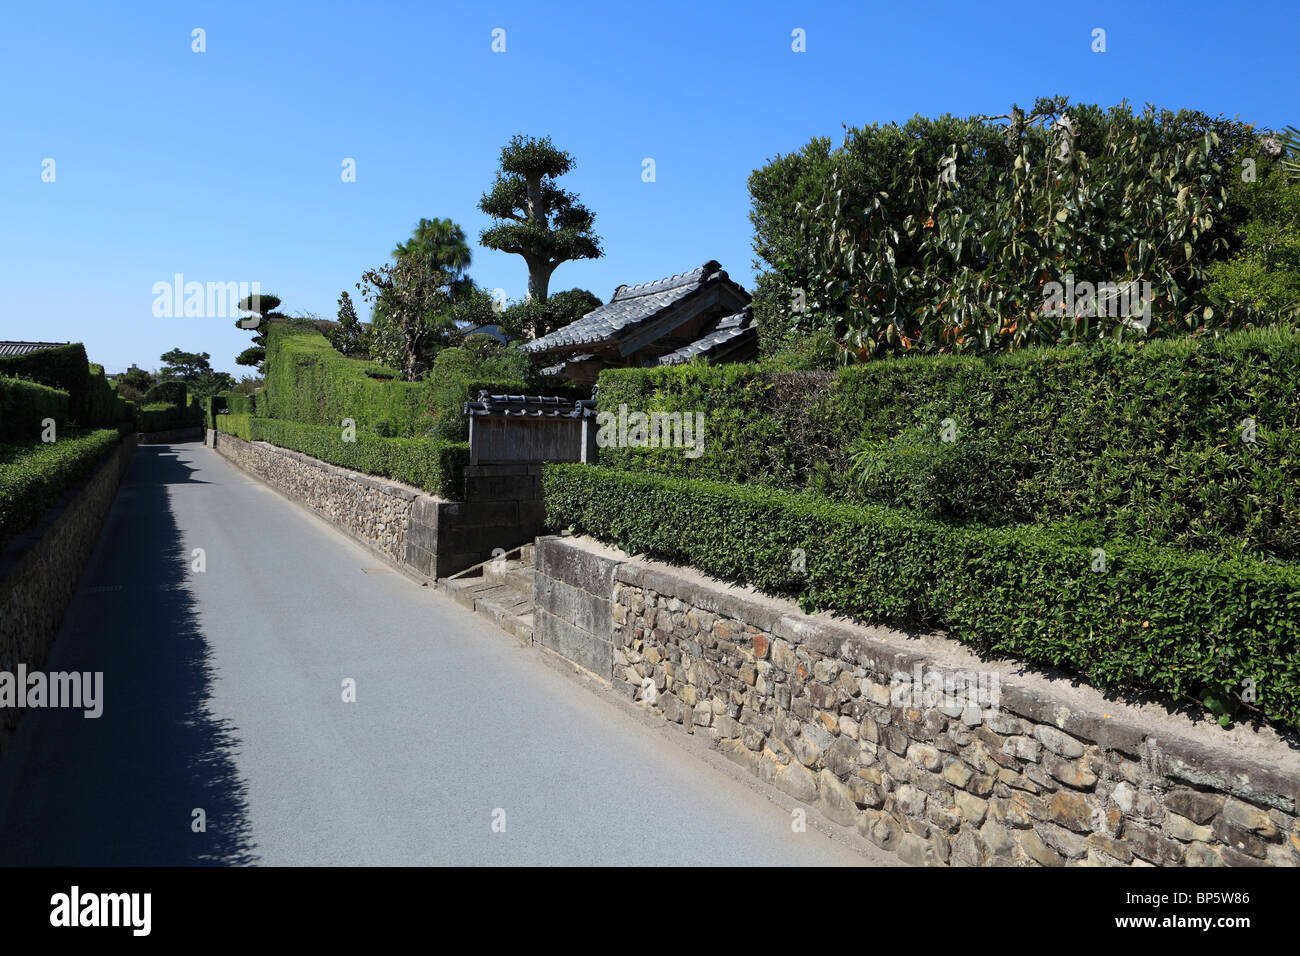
(223, 691)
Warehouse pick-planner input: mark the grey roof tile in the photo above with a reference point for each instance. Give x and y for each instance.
(727, 330)
(22, 348)
(630, 306)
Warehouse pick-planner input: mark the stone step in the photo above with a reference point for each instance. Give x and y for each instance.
(501, 591)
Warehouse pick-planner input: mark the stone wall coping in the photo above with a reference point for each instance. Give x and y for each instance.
(1257, 764)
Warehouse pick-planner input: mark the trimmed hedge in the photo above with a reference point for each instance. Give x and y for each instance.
(103, 405)
(162, 417)
(1138, 440)
(436, 467)
(308, 381)
(1157, 619)
(64, 367)
(34, 475)
(24, 405)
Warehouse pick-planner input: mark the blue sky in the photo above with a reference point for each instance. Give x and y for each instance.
(224, 166)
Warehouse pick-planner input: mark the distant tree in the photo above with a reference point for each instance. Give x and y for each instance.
(185, 367)
(248, 384)
(535, 218)
(262, 307)
(136, 380)
(350, 336)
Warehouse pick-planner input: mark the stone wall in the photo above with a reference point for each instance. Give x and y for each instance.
(373, 510)
(823, 710)
(426, 534)
(40, 569)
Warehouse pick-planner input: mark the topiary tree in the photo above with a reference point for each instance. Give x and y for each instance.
(535, 218)
(262, 307)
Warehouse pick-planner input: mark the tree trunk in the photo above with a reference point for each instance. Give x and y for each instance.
(539, 281)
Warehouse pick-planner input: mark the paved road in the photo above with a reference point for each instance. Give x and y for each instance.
(223, 691)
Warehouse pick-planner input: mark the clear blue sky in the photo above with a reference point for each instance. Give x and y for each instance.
(225, 166)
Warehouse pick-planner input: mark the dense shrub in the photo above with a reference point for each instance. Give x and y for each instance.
(867, 243)
(34, 474)
(172, 393)
(1143, 441)
(1189, 625)
(437, 467)
(25, 405)
(458, 374)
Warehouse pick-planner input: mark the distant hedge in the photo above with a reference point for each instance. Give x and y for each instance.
(162, 417)
(25, 405)
(1193, 626)
(91, 399)
(63, 367)
(436, 467)
(103, 405)
(1142, 441)
(34, 474)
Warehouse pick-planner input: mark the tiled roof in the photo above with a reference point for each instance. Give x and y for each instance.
(529, 406)
(630, 306)
(22, 348)
(728, 330)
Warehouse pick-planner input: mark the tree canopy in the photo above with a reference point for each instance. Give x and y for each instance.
(534, 217)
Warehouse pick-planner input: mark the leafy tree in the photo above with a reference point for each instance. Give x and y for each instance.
(535, 218)
(874, 249)
(263, 308)
(184, 366)
(1263, 278)
(532, 318)
(135, 380)
(423, 299)
(349, 336)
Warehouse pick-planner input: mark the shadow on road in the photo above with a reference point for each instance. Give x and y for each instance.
(121, 789)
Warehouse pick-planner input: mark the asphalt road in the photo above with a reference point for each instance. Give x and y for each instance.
(223, 691)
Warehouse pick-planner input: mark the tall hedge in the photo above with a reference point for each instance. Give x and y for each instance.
(1143, 441)
(308, 381)
(24, 406)
(1198, 627)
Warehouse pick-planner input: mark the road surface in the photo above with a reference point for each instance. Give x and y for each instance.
(224, 692)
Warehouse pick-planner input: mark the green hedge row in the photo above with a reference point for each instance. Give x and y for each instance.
(1156, 619)
(34, 474)
(308, 381)
(437, 467)
(1138, 440)
(163, 417)
(25, 405)
(92, 400)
